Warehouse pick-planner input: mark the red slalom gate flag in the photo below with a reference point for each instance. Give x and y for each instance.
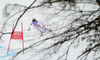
(17, 35)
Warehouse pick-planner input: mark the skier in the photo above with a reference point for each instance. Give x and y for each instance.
(36, 24)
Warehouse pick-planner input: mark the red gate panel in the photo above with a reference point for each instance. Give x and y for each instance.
(17, 35)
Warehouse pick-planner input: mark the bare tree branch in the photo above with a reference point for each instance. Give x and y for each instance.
(89, 50)
(98, 1)
(22, 15)
(82, 23)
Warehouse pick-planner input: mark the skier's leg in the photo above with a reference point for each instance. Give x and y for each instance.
(43, 28)
(39, 30)
(36, 27)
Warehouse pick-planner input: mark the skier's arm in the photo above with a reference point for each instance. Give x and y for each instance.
(41, 23)
(29, 26)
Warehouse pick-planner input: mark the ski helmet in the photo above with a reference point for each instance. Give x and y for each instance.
(33, 19)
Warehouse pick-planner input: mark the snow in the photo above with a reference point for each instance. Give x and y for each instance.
(33, 34)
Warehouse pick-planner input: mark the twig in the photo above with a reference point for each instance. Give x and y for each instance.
(22, 15)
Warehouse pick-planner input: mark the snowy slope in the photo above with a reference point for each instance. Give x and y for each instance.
(33, 35)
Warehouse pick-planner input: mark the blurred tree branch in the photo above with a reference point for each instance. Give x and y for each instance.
(83, 23)
(98, 1)
(16, 21)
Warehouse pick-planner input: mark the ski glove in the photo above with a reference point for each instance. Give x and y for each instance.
(29, 29)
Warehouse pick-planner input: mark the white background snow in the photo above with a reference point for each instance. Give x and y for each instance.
(15, 44)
